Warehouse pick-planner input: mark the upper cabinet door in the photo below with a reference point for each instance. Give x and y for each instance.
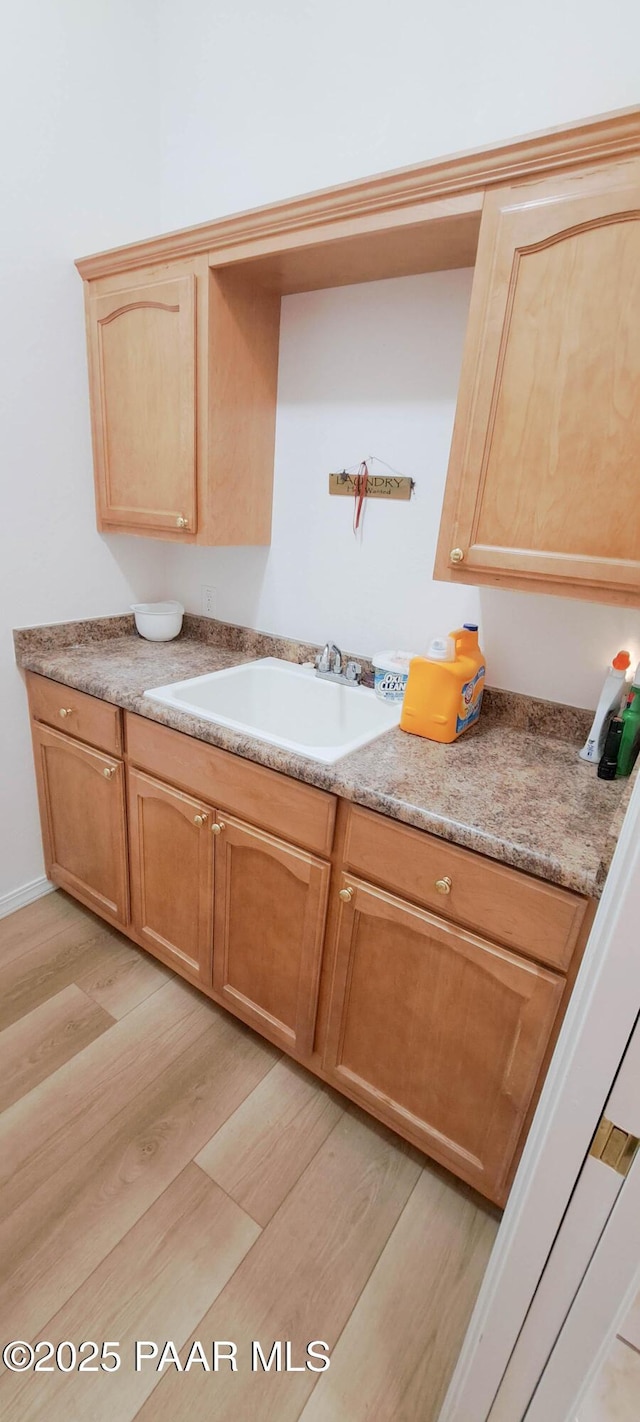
(543, 489)
(142, 344)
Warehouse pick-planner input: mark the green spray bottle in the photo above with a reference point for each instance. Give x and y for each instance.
(630, 739)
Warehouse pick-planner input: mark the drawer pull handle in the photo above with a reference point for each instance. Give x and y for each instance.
(457, 555)
(201, 819)
(346, 895)
(108, 771)
(182, 522)
(66, 711)
(444, 885)
(217, 827)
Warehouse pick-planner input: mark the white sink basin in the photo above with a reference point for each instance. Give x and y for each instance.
(284, 704)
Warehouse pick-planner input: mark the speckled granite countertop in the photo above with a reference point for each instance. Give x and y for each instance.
(512, 788)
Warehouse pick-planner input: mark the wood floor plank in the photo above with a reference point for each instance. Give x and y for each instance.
(40, 922)
(262, 1149)
(111, 1228)
(122, 976)
(29, 978)
(615, 1392)
(35, 1046)
(300, 1280)
(395, 1357)
(39, 1133)
(63, 1231)
(156, 1284)
(629, 1330)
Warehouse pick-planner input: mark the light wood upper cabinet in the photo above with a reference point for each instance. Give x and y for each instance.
(183, 375)
(543, 490)
(541, 493)
(270, 908)
(441, 1033)
(171, 849)
(82, 810)
(143, 361)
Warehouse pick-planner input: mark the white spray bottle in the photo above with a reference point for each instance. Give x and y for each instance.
(611, 698)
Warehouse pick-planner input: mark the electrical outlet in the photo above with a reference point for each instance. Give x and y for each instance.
(209, 596)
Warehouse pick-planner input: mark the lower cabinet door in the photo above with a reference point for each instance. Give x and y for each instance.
(171, 848)
(270, 910)
(84, 828)
(441, 1033)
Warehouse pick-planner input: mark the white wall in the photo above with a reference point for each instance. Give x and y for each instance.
(310, 95)
(79, 170)
(269, 100)
(374, 369)
(369, 369)
(120, 120)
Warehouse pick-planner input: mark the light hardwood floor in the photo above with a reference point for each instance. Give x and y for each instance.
(165, 1174)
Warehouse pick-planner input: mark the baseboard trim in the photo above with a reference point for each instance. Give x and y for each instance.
(19, 898)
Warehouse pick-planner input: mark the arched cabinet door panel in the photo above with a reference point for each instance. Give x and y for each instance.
(543, 490)
(172, 875)
(439, 1032)
(81, 793)
(142, 344)
(270, 908)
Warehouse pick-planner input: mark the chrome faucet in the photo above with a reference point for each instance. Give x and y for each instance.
(330, 665)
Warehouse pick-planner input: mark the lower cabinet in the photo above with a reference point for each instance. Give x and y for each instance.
(229, 906)
(171, 848)
(270, 909)
(84, 828)
(440, 1032)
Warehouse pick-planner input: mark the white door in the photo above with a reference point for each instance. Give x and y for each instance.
(492, 1368)
(559, 1352)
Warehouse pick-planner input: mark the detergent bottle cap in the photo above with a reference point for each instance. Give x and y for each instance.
(441, 649)
(621, 661)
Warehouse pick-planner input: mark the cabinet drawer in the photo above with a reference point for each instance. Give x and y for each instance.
(500, 903)
(84, 717)
(298, 812)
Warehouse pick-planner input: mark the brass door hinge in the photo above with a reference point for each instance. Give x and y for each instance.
(614, 1147)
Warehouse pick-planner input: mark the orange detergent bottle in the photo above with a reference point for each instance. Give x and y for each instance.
(443, 695)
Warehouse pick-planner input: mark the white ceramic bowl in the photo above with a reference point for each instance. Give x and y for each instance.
(158, 621)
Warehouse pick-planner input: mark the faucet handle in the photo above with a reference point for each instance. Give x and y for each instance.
(353, 671)
(323, 659)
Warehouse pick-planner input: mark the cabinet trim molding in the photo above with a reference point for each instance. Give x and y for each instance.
(367, 202)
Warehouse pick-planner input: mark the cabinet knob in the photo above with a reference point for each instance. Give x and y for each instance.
(444, 885)
(108, 771)
(217, 827)
(456, 555)
(66, 711)
(201, 819)
(182, 522)
(346, 895)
